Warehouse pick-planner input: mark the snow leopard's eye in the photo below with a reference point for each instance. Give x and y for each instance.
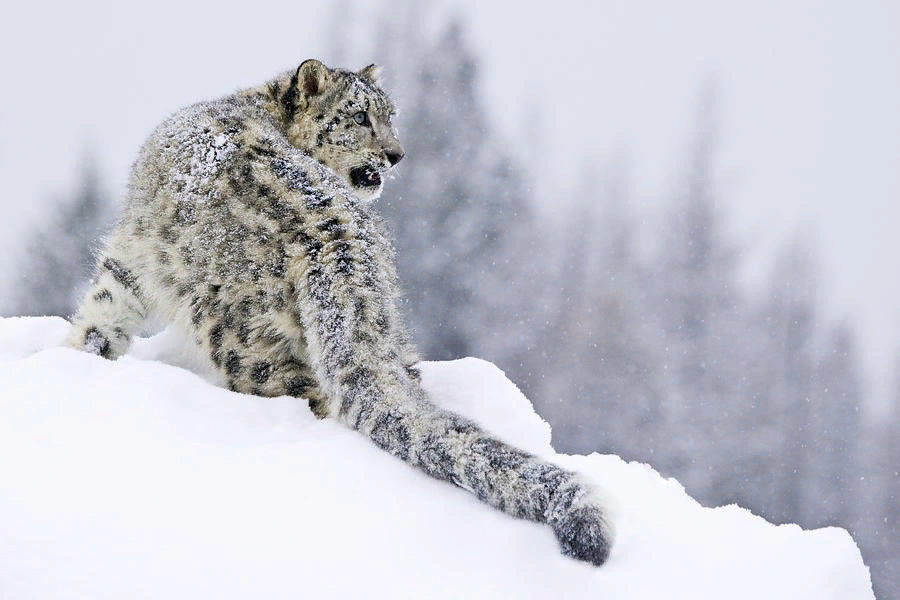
(361, 118)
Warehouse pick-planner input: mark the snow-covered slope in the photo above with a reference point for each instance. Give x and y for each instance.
(140, 479)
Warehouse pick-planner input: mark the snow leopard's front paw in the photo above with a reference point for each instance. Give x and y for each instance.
(109, 343)
(585, 533)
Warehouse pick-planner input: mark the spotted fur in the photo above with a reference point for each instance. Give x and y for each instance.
(248, 225)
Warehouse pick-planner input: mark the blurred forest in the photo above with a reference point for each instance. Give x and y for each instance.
(656, 355)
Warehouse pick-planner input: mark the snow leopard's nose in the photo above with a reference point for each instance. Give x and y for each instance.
(394, 156)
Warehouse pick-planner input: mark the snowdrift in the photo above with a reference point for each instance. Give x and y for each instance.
(141, 479)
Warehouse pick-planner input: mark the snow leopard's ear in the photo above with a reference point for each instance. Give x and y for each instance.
(312, 77)
(371, 73)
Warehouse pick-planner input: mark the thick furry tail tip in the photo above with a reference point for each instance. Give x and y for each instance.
(585, 533)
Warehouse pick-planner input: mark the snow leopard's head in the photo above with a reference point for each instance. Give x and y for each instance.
(342, 119)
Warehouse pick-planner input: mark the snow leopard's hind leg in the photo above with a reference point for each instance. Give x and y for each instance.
(273, 376)
(111, 312)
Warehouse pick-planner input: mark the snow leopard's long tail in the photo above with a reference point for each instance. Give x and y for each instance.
(455, 449)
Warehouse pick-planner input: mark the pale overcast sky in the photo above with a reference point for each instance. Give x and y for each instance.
(810, 107)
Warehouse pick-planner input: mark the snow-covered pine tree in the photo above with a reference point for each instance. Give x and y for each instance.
(886, 532)
(791, 320)
(57, 258)
(457, 206)
(700, 312)
(600, 387)
(832, 486)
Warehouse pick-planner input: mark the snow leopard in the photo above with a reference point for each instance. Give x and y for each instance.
(249, 225)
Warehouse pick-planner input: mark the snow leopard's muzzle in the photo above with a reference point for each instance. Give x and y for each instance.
(371, 175)
(365, 176)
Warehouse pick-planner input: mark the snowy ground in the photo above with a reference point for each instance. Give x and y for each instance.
(140, 479)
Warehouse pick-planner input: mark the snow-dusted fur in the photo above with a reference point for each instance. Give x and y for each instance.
(247, 224)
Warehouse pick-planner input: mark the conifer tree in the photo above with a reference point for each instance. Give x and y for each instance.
(58, 257)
